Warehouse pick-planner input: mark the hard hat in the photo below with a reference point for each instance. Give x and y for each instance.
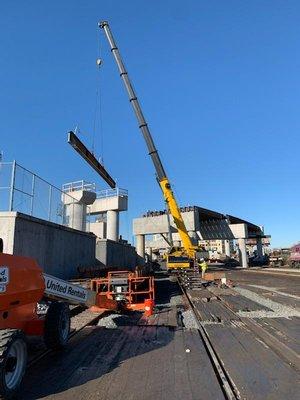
(202, 259)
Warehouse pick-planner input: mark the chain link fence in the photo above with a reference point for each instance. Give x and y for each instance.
(23, 191)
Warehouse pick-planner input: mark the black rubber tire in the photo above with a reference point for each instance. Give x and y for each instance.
(9, 338)
(57, 325)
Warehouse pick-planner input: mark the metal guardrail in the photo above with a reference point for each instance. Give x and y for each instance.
(83, 185)
(78, 185)
(111, 193)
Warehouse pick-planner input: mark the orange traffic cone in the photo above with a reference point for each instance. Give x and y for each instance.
(149, 307)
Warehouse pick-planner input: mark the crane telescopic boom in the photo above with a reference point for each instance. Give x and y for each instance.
(160, 171)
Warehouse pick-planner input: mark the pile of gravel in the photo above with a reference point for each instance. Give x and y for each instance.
(189, 320)
(277, 310)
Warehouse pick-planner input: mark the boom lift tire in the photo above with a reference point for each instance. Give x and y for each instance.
(13, 360)
(57, 325)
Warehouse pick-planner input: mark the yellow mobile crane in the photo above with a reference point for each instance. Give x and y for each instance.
(176, 258)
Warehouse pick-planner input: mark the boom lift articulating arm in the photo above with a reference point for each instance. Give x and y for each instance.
(163, 180)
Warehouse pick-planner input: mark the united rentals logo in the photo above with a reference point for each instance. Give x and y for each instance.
(4, 278)
(63, 289)
(4, 275)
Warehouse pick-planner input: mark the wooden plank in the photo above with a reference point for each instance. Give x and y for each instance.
(280, 348)
(218, 291)
(130, 362)
(257, 372)
(214, 311)
(203, 312)
(285, 330)
(50, 375)
(240, 303)
(201, 379)
(164, 317)
(199, 294)
(116, 383)
(279, 298)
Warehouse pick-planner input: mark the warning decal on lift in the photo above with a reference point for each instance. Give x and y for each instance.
(64, 290)
(4, 278)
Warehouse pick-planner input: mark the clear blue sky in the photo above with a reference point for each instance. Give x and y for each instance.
(219, 82)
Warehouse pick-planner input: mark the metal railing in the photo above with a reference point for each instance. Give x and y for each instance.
(111, 193)
(79, 185)
(23, 191)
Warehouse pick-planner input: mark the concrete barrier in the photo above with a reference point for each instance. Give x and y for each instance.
(58, 250)
(117, 255)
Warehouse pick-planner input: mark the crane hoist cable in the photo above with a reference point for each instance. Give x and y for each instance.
(98, 117)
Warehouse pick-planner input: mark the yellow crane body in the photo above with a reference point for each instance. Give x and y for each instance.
(176, 214)
(180, 257)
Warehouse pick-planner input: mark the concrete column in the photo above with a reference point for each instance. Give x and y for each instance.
(150, 253)
(259, 247)
(243, 253)
(112, 227)
(227, 248)
(194, 237)
(75, 207)
(140, 245)
(75, 216)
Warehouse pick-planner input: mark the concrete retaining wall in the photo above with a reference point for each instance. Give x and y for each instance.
(58, 250)
(117, 255)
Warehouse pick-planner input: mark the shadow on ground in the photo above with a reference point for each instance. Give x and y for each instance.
(95, 353)
(165, 288)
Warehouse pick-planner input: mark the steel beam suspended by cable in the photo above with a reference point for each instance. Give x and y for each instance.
(84, 152)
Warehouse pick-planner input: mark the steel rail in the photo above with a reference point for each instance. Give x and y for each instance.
(224, 379)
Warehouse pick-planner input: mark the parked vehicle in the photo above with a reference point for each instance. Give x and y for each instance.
(294, 259)
(258, 261)
(279, 257)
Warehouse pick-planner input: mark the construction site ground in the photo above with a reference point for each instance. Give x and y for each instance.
(253, 328)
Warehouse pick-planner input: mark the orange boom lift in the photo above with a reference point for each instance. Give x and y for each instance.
(35, 303)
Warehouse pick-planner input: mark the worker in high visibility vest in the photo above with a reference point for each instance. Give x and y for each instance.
(203, 265)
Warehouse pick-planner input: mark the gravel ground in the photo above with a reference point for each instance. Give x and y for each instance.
(83, 318)
(278, 310)
(176, 301)
(113, 321)
(189, 320)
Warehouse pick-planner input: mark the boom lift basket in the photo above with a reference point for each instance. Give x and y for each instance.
(123, 290)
